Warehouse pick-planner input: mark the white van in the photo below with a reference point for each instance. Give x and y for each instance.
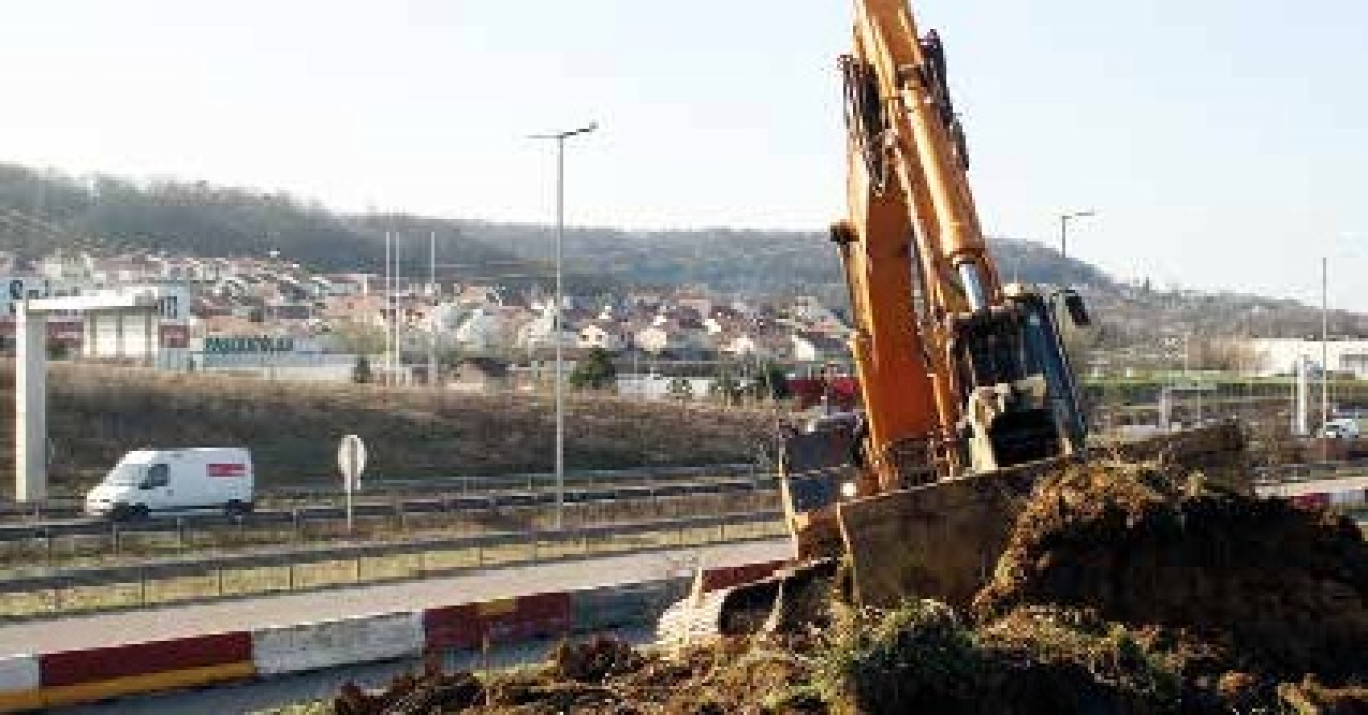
(1341, 428)
(152, 481)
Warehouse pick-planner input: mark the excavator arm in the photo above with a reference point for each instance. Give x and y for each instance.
(960, 375)
(968, 396)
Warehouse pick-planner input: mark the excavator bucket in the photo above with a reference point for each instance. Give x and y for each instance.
(940, 540)
(944, 540)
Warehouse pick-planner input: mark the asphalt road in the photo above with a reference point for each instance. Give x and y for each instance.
(91, 631)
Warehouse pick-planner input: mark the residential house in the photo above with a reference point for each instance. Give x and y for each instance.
(122, 270)
(483, 329)
(604, 335)
(699, 304)
(539, 333)
(343, 284)
(743, 344)
(817, 347)
(61, 265)
(476, 295)
(480, 374)
(673, 338)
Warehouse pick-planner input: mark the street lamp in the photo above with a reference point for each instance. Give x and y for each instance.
(1325, 358)
(560, 138)
(1064, 220)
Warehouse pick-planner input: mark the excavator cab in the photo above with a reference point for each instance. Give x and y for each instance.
(1021, 401)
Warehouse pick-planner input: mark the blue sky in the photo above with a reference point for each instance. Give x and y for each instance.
(1221, 142)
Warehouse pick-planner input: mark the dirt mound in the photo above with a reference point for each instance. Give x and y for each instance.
(1269, 587)
(919, 658)
(594, 661)
(602, 676)
(1124, 589)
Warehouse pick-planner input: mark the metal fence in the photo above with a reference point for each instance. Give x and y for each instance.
(104, 588)
(1288, 473)
(70, 507)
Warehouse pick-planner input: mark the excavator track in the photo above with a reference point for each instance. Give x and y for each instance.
(792, 599)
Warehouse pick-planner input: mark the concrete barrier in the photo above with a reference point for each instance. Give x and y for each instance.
(327, 644)
(471, 625)
(20, 680)
(728, 576)
(599, 609)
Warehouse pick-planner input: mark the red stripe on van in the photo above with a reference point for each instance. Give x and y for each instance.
(227, 470)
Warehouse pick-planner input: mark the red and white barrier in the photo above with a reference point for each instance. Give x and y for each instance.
(471, 625)
(29, 682)
(728, 576)
(20, 682)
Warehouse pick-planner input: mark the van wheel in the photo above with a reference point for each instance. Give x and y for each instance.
(139, 512)
(237, 508)
(121, 512)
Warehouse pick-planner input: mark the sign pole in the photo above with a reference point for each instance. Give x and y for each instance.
(351, 461)
(349, 506)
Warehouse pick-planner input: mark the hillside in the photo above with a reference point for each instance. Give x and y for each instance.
(44, 211)
(96, 414)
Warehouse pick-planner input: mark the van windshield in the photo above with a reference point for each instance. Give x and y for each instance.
(125, 475)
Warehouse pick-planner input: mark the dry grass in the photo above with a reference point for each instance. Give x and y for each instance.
(97, 413)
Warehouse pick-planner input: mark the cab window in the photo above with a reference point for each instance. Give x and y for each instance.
(158, 475)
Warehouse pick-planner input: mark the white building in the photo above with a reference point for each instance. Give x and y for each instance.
(272, 356)
(482, 329)
(539, 333)
(662, 338)
(1279, 356)
(161, 339)
(598, 335)
(745, 345)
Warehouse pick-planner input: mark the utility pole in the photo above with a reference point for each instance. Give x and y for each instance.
(433, 323)
(397, 357)
(385, 310)
(560, 138)
(1325, 357)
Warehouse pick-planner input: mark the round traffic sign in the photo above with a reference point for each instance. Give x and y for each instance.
(351, 459)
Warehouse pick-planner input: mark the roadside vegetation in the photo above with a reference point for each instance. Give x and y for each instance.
(97, 413)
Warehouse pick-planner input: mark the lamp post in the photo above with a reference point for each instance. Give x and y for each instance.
(560, 138)
(1325, 358)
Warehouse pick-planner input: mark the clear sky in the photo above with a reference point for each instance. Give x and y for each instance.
(1222, 142)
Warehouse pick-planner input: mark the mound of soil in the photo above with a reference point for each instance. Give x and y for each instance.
(1272, 588)
(1125, 589)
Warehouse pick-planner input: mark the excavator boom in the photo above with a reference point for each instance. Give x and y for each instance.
(968, 395)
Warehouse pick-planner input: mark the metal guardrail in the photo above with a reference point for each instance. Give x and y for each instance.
(398, 509)
(1292, 473)
(68, 507)
(525, 482)
(533, 545)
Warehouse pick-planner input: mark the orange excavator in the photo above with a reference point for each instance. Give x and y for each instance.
(968, 395)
